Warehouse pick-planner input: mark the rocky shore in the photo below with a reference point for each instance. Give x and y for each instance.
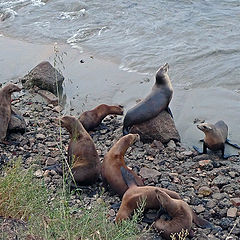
(206, 182)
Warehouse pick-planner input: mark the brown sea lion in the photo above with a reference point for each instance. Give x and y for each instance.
(91, 119)
(82, 155)
(180, 212)
(157, 101)
(114, 160)
(5, 108)
(135, 195)
(215, 137)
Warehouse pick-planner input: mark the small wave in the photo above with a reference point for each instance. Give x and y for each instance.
(38, 2)
(7, 14)
(72, 15)
(83, 35)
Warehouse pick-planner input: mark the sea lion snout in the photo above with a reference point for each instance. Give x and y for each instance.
(205, 127)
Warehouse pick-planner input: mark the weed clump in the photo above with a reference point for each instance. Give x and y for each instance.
(50, 215)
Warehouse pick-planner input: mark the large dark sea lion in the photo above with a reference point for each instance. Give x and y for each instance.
(5, 108)
(157, 101)
(82, 154)
(215, 137)
(114, 161)
(91, 119)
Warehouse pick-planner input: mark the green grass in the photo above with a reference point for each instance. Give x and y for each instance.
(49, 216)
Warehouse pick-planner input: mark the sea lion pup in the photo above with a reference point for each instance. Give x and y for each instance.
(91, 119)
(5, 108)
(114, 160)
(180, 212)
(82, 154)
(157, 101)
(215, 137)
(135, 195)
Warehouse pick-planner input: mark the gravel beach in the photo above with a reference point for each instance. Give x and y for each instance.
(209, 184)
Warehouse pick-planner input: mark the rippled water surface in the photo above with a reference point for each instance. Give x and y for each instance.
(200, 39)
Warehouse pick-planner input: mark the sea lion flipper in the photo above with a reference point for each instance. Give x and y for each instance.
(169, 111)
(197, 149)
(232, 144)
(200, 222)
(226, 156)
(128, 177)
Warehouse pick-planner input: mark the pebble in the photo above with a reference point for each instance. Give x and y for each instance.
(235, 201)
(232, 212)
(40, 136)
(38, 173)
(205, 191)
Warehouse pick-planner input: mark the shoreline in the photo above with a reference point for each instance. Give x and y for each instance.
(96, 81)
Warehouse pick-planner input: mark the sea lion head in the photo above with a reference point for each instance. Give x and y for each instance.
(134, 137)
(162, 74)
(205, 127)
(162, 197)
(70, 123)
(10, 88)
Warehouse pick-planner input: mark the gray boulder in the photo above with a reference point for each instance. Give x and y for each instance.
(17, 122)
(44, 76)
(161, 128)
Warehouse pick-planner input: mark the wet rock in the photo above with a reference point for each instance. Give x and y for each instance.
(149, 173)
(17, 122)
(44, 76)
(161, 128)
(232, 212)
(50, 97)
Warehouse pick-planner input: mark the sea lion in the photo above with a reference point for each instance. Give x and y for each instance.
(82, 154)
(5, 108)
(157, 101)
(180, 212)
(114, 160)
(135, 195)
(91, 119)
(215, 137)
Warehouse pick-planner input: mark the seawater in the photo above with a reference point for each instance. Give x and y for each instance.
(200, 39)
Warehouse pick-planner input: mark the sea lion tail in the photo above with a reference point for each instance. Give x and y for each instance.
(200, 222)
(128, 177)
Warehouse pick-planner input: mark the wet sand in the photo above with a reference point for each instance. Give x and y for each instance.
(98, 81)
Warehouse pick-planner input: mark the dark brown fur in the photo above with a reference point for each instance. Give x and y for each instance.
(114, 160)
(5, 108)
(135, 195)
(82, 155)
(91, 119)
(181, 213)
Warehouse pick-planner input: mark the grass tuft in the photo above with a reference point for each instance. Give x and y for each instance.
(50, 216)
